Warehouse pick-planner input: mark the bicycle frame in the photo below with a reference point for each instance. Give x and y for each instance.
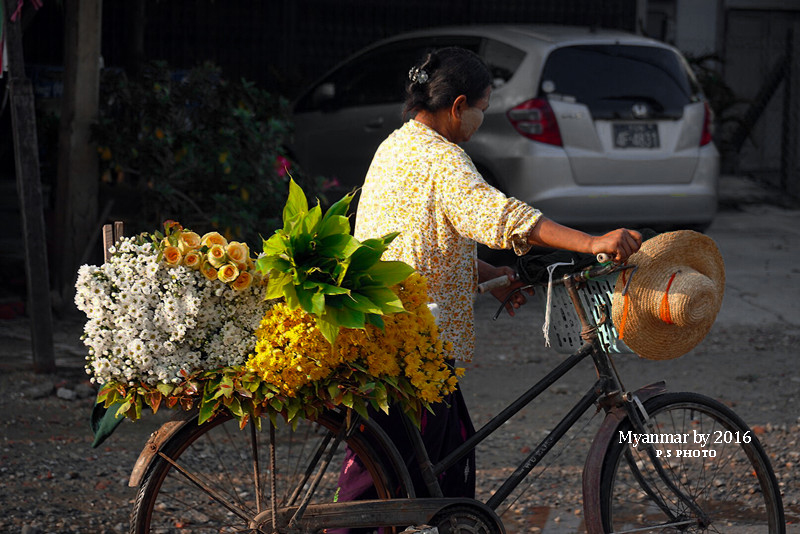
(591, 396)
(606, 384)
(607, 393)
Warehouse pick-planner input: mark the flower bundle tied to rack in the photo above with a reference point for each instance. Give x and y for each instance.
(317, 321)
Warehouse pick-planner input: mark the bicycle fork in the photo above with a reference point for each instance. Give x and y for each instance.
(636, 413)
(642, 423)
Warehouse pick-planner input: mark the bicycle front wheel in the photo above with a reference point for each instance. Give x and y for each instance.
(706, 472)
(217, 478)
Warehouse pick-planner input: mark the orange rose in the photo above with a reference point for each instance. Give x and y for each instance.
(172, 255)
(188, 241)
(208, 271)
(213, 238)
(242, 281)
(193, 259)
(228, 273)
(238, 253)
(217, 256)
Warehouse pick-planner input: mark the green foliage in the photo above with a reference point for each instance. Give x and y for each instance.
(229, 389)
(721, 97)
(246, 397)
(313, 262)
(198, 148)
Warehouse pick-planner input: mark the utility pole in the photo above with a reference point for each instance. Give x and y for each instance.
(77, 187)
(29, 190)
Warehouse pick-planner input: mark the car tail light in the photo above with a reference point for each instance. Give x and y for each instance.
(535, 120)
(706, 136)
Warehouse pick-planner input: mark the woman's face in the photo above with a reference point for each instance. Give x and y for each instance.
(472, 116)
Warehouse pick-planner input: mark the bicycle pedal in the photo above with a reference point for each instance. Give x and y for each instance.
(420, 529)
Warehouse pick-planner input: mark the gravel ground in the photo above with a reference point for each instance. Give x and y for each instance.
(52, 481)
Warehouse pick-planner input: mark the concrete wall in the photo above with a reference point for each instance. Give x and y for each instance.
(697, 26)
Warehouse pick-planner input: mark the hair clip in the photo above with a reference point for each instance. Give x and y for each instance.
(417, 75)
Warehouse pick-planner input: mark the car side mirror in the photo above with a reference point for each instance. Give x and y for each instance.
(324, 96)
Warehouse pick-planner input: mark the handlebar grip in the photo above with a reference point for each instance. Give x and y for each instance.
(494, 283)
(603, 258)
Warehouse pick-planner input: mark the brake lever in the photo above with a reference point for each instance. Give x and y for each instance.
(507, 299)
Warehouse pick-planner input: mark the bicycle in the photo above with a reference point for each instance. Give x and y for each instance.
(212, 478)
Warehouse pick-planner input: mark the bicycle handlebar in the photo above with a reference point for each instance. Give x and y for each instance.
(494, 283)
(606, 266)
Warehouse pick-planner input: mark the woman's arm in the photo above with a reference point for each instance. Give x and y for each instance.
(619, 243)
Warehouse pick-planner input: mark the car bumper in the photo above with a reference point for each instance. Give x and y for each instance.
(629, 206)
(545, 182)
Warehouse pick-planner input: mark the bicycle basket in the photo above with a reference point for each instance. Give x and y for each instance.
(565, 327)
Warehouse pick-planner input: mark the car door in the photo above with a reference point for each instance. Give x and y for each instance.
(341, 120)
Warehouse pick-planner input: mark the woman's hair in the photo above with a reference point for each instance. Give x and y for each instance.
(442, 76)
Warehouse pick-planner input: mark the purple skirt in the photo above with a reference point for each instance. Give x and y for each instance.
(444, 430)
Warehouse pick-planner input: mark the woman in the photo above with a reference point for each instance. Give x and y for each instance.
(422, 184)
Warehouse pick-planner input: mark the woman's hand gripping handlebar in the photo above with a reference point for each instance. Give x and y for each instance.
(494, 283)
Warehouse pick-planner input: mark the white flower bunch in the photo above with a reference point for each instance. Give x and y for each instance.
(151, 322)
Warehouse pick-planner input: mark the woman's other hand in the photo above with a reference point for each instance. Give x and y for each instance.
(490, 272)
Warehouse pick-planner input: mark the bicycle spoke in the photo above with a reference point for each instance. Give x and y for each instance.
(651, 528)
(273, 477)
(309, 469)
(256, 466)
(318, 478)
(205, 488)
(224, 450)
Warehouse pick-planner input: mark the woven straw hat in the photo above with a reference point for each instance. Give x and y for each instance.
(673, 296)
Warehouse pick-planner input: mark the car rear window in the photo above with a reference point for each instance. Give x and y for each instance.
(611, 79)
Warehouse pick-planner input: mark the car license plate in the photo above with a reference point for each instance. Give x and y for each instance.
(636, 136)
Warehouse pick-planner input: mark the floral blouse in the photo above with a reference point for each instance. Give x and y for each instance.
(428, 189)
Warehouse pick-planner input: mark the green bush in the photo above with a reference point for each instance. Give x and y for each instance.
(721, 98)
(197, 148)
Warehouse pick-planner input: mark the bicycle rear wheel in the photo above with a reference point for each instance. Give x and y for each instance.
(728, 482)
(216, 478)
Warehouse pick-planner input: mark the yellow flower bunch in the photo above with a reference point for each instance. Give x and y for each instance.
(407, 356)
(213, 255)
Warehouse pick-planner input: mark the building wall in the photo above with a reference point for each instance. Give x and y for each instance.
(755, 45)
(696, 29)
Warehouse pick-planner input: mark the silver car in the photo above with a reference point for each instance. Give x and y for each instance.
(595, 128)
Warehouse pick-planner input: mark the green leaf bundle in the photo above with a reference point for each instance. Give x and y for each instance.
(313, 262)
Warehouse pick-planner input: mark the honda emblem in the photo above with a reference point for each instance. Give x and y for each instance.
(640, 110)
